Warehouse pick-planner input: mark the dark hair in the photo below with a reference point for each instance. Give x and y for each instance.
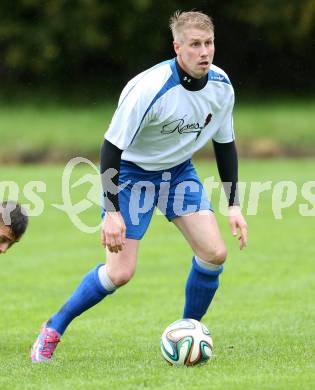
(13, 215)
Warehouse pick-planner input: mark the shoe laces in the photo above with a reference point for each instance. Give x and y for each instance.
(50, 341)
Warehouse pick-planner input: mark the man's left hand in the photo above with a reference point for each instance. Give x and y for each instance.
(237, 221)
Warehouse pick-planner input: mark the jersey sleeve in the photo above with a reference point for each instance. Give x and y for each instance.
(225, 132)
(133, 111)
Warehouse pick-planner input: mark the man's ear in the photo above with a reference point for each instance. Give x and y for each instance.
(176, 46)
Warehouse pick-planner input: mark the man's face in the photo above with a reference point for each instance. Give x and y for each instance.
(195, 51)
(7, 238)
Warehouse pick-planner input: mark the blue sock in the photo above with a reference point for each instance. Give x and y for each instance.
(88, 293)
(201, 286)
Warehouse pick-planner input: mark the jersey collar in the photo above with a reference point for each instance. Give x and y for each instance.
(189, 82)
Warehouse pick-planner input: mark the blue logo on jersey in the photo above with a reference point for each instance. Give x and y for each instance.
(182, 127)
(217, 77)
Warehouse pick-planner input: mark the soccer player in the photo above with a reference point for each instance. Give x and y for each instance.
(164, 115)
(13, 224)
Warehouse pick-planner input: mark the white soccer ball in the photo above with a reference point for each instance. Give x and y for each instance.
(186, 342)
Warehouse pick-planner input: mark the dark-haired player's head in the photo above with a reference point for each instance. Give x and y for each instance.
(13, 224)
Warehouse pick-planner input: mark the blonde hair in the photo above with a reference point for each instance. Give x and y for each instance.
(182, 20)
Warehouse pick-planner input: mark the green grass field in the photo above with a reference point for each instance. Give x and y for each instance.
(262, 318)
(31, 129)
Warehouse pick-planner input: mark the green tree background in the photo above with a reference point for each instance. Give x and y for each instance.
(263, 45)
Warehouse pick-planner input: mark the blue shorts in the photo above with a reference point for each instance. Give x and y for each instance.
(175, 192)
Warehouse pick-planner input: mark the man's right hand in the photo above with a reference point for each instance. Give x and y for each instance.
(113, 232)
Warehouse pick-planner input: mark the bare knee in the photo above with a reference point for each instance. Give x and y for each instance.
(215, 255)
(219, 256)
(121, 266)
(120, 272)
(119, 277)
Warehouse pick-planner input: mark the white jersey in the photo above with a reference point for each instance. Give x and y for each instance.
(159, 123)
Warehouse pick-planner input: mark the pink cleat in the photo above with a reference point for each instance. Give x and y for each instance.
(45, 344)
